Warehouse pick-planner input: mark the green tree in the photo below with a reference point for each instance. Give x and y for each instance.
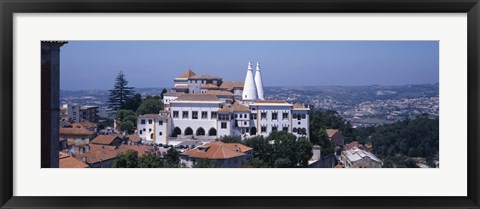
(163, 92)
(127, 126)
(230, 139)
(129, 159)
(120, 93)
(150, 105)
(121, 114)
(150, 161)
(134, 102)
(255, 163)
(282, 163)
(206, 163)
(172, 158)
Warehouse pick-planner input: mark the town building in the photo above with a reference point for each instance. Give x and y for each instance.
(76, 113)
(335, 137)
(67, 161)
(219, 109)
(358, 158)
(227, 155)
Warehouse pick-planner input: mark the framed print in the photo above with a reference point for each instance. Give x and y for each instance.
(239, 104)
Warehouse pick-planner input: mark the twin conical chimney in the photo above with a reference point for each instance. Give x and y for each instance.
(249, 88)
(259, 83)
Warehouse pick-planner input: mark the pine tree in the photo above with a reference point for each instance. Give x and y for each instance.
(120, 93)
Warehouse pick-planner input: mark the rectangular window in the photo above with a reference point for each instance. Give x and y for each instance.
(141, 132)
(274, 115)
(149, 121)
(214, 115)
(245, 115)
(194, 114)
(160, 123)
(224, 125)
(236, 115)
(285, 129)
(175, 114)
(160, 133)
(285, 116)
(263, 115)
(204, 114)
(185, 114)
(264, 129)
(142, 121)
(274, 128)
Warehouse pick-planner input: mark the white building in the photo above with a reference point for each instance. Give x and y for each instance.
(214, 113)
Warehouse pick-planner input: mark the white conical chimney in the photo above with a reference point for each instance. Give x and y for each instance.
(249, 89)
(259, 83)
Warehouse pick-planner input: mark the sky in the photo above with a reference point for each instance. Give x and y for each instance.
(87, 65)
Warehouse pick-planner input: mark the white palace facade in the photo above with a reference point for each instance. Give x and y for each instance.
(203, 107)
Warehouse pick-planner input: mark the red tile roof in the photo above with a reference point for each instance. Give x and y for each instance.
(75, 131)
(219, 93)
(218, 150)
(331, 132)
(105, 139)
(240, 108)
(187, 74)
(67, 161)
(229, 85)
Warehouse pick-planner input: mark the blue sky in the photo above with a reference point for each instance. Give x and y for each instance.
(94, 64)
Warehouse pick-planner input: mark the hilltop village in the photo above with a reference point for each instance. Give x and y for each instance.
(210, 122)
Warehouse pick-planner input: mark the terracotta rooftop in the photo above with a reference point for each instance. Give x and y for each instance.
(219, 93)
(67, 161)
(87, 124)
(351, 145)
(218, 150)
(331, 132)
(224, 109)
(134, 137)
(153, 116)
(209, 86)
(229, 85)
(298, 106)
(197, 97)
(105, 139)
(187, 74)
(99, 153)
(240, 108)
(204, 77)
(75, 131)
(172, 93)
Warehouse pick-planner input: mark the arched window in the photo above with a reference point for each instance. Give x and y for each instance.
(176, 131)
(188, 131)
(200, 132)
(212, 132)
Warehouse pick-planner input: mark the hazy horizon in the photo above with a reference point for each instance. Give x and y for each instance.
(93, 65)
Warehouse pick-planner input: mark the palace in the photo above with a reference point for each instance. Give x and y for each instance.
(203, 107)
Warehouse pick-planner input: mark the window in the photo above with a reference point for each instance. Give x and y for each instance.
(253, 116)
(253, 108)
(245, 123)
(263, 129)
(285, 129)
(236, 124)
(142, 121)
(294, 115)
(194, 114)
(245, 115)
(304, 116)
(144, 129)
(141, 132)
(160, 122)
(175, 114)
(204, 114)
(274, 128)
(274, 115)
(223, 117)
(285, 116)
(149, 130)
(149, 121)
(160, 133)
(236, 115)
(184, 114)
(213, 115)
(299, 122)
(263, 115)
(224, 125)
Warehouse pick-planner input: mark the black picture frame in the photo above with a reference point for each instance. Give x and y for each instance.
(10, 7)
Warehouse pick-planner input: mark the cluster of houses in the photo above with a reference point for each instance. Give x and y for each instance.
(199, 109)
